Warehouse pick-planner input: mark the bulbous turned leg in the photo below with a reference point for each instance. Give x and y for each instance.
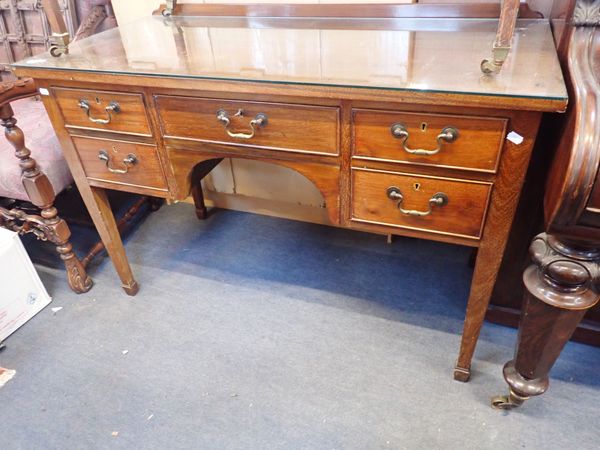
(561, 285)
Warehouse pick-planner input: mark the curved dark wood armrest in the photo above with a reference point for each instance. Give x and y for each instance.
(577, 158)
(563, 281)
(14, 90)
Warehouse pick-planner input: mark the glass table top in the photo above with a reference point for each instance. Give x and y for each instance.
(433, 55)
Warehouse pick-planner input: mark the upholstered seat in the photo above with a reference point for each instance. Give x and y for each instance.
(45, 149)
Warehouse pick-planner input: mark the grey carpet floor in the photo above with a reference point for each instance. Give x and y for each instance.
(252, 332)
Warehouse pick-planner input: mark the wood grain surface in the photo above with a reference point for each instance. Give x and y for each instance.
(131, 118)
(477, 147)
(309, 129)
(463, 215)
(146, 172)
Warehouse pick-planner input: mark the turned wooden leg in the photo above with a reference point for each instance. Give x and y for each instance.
(198, 196)
(41, 194)
(561, 285)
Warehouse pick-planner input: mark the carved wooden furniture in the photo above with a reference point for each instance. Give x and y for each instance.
(415, 142)
(563, 281)
(25, 31)
(507, 298)
(504, 36)
(96, 15)
(47, 225)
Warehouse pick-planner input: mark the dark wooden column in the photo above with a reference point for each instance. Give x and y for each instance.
(563, 281)
(561, 285)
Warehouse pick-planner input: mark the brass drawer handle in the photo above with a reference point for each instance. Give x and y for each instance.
(440, 199)
(259, 121)
(448, 134)
(129, 161)
(112, 107)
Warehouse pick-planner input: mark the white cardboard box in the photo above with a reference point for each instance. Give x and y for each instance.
(22, 294)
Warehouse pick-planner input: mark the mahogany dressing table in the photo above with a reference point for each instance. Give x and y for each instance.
(390, 117)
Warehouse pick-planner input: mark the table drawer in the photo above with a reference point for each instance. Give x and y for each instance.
(275, 126)
(103, 110)
(121, 162)
(429, 139)
(442, 205)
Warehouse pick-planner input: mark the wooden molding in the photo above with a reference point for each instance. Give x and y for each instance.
(575, 166)
(357, 10)
(587, 13)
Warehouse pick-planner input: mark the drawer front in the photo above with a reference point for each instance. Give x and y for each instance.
(275, 126)
(102, 110)
(429, 139)
(121, 162)
(448, 206)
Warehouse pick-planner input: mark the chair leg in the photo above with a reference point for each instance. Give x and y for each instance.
(41, 193)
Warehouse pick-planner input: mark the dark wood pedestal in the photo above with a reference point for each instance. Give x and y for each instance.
(562, 283)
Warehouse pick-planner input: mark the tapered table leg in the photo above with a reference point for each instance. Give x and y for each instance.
(199, 172)
(561, 285)
(198, 196)
(104, 220)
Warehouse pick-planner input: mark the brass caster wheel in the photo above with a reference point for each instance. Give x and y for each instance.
(489, 67)
(486, 67)
(57, 50)
(508, 402)
(502, 402)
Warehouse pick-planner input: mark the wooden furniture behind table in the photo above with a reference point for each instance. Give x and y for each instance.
(26, 31)
(562, 283)
(507, 298)
(413, 144)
